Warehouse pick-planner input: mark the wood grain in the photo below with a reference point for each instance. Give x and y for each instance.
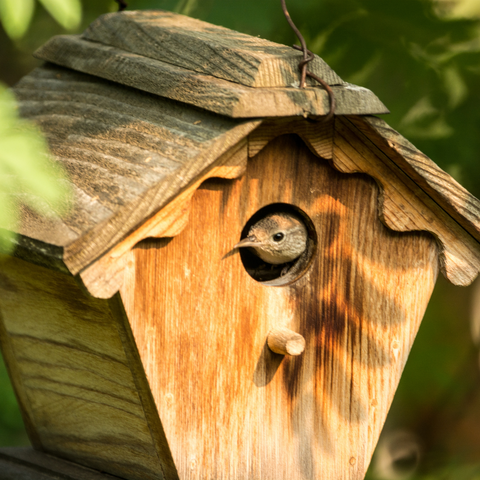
(127, 154)
(77, 377)
(12, 471)
(406, 207)
(24, 463)
(204, 91)
(318, 135)
(230, 408)
(37, 252)
(204, 48)
(403, 205)
(105, 276)
(446, 191)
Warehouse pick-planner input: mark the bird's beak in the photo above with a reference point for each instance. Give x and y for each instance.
(247, 242)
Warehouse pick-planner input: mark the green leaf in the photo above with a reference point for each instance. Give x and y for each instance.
(16, 16)
(8, 109)
(67, 13)
(27, 174)
(8, 220)
(24, 159)
(186, 7)
(455, 86)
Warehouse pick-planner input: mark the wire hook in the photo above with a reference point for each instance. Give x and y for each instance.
(308, 56)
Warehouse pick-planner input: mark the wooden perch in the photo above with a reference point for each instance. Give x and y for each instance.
(285, 342)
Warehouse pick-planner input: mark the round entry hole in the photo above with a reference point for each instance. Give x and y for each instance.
(273, 238)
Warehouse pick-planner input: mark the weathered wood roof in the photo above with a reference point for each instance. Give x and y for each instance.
(129, 153)
(126, 152)
(211, 67)
(204, 48)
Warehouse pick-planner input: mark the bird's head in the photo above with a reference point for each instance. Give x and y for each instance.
(277, 238)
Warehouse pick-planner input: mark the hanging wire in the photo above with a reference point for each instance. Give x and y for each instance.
(122, 5)
(308, 56)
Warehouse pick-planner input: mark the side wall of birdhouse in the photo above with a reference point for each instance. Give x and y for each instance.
(232, 409)
(77, 375)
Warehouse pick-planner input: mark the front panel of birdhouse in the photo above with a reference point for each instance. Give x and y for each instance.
(232, 409)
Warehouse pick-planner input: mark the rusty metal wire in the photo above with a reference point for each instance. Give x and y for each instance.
(308, 56)
(122, 5)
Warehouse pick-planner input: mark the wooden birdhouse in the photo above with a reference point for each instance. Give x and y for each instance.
(136, 335)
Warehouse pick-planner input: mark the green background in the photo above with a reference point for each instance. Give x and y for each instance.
(422, 59)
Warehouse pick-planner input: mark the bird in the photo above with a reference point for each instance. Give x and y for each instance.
(277, 238)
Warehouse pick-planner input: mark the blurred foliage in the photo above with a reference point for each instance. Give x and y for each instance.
(26, 173)
(422, 58)
(11, 425)
(16, 15)
(458, 8)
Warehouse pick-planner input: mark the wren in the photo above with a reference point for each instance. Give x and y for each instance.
(277, 238)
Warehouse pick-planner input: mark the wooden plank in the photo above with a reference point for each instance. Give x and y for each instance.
(9, 357)
(105, 276)
(24, 463)
(406, 207)
(318, 135)
(167, 468)
(37, 252)
(213, 94)
(204, 48)
(127, 154)
(126, 220)
(77, 381)
(13, 471)
(446, 191)
(230, 408)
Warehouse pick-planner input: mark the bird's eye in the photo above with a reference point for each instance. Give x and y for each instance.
(278, 237)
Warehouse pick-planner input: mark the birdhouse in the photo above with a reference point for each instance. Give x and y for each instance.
(141, 342)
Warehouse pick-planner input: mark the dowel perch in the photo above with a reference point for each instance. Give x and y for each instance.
(285, 342)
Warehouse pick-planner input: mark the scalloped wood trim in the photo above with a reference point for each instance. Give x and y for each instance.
(403, 203)
(404, 206)
(317, 135)
(439, 185)
(104, 277)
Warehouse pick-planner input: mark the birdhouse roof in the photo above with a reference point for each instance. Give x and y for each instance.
(126, 153)
(144, 106)
(211, 67)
